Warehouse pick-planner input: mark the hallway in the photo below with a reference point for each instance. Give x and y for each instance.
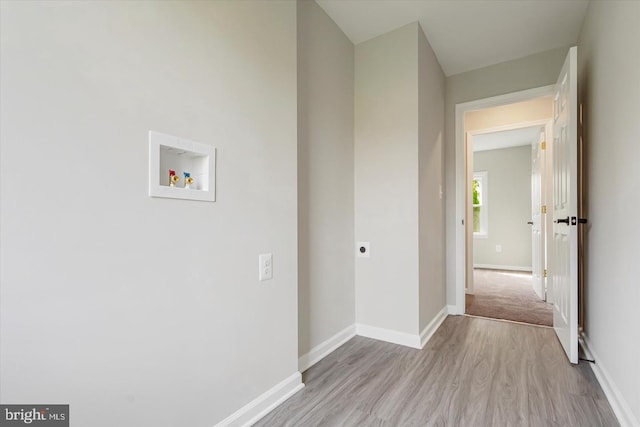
(473, 372)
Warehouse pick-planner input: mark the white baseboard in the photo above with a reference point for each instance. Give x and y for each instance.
(388, 335)
(265, 403)
(453, 309)
(503, 267)
(403, 338)
(620, 407)
(433, 326)
(325, 348)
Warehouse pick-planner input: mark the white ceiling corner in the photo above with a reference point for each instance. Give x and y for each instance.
(467, 34)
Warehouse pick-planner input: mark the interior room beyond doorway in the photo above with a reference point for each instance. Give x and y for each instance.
(506, 253)
(507, 295)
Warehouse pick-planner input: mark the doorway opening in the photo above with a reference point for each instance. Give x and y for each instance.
(564, 210)
(506, 239)
(506, 188)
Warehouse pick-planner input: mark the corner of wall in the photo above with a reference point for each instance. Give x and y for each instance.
(325, 348)
(325, 183)
(618, 403)
(253, 411)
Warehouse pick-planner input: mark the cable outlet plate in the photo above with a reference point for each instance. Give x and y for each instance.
(363, 250)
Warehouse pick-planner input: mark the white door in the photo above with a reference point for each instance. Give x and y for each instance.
(563, 263)
(469, 216)
(537, 223)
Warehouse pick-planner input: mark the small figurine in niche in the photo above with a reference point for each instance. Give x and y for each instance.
(173, 178)
(188, 180)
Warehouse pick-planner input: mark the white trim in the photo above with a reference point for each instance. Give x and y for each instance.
(512, 126)
(509, 321)
(503, 267)
(403, 338)
(388, 335)
(259, 407)
(453, 310)
(433, 326)
(620, 407)
(460, 183)
(325, 348)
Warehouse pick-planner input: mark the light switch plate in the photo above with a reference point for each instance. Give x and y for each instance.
(265, 262)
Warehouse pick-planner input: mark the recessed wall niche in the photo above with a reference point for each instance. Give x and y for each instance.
(180, 168)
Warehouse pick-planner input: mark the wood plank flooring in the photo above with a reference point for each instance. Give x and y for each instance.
(473, 372)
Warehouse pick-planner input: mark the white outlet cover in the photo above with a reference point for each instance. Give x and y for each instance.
(363, 250)
(265, 267)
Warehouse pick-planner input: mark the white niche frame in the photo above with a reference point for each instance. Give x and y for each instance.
(182, 155)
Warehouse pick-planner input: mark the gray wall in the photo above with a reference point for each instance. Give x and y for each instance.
(525, 73)
(386, 179)
(431, 179)
(509, 207)
(398, 171)
(325, 178)
(609, 66)
(110, 298)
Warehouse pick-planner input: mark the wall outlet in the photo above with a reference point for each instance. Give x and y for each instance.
(363, 250)
(265, 262)
(498, 248)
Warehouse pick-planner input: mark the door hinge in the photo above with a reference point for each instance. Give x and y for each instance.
(544, 273)
(543, 145)
(544, 208)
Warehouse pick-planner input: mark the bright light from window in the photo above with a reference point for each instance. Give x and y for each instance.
(480, 205)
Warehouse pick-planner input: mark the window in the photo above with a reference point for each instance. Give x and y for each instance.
(480, 206)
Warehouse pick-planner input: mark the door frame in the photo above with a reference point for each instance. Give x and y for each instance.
(461, 183)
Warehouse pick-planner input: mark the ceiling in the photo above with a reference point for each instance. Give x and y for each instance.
(467, 34)
(506, 139)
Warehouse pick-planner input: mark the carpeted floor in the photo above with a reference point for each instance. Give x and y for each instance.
(508, 295)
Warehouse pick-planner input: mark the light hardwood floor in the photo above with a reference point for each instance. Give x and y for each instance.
(473, 372)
